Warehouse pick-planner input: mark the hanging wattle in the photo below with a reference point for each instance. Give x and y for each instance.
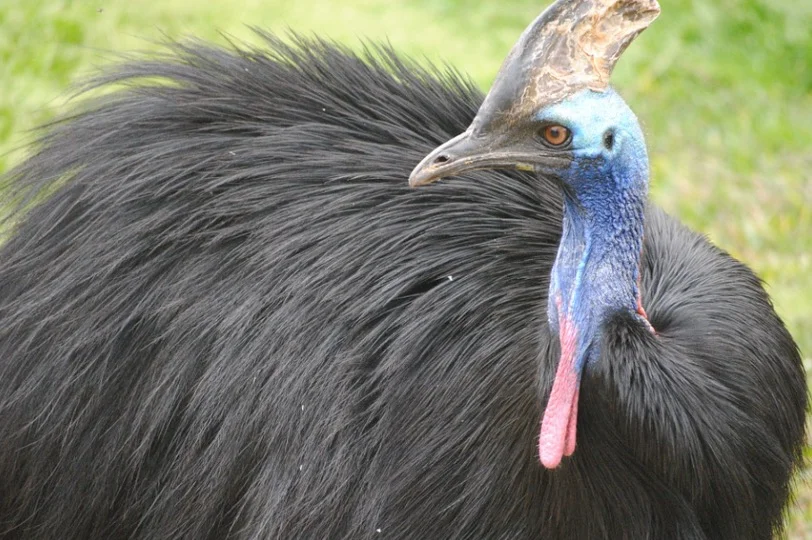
(558, 427)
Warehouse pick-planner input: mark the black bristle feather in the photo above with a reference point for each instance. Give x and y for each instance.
(230, 318)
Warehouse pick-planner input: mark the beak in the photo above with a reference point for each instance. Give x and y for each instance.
(465, 153)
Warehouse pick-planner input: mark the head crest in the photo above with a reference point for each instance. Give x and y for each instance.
(571, 46)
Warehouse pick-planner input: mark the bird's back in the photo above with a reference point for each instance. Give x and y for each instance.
(230, 315)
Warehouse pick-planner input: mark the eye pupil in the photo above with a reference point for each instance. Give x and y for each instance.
(555, 135)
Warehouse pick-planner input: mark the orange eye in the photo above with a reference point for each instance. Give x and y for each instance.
(555, 135)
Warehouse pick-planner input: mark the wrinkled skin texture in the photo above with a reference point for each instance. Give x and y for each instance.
(571, 46)
(231, 318)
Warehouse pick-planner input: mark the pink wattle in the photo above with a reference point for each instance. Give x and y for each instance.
(557, 438)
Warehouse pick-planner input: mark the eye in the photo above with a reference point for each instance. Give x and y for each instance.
(555, 135)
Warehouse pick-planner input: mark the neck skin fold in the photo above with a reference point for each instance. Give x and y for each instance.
(597, 269)
(596, 274)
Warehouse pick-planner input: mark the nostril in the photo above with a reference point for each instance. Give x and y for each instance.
(442, 158)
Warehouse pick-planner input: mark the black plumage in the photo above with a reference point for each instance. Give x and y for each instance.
(230, 317)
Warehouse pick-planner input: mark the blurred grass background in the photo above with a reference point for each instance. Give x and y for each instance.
(723, 89)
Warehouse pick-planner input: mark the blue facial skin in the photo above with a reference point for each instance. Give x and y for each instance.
(605, 189)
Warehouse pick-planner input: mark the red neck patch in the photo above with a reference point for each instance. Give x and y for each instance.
(557, 437)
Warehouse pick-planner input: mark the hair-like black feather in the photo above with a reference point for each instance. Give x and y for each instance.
(230, 317)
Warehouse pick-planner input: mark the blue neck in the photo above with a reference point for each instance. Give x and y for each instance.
(597, 268)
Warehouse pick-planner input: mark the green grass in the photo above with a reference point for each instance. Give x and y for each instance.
(723, 88)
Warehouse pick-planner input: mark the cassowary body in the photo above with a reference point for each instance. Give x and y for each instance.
(232, 318)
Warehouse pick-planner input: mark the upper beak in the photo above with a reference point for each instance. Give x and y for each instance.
(463, 153)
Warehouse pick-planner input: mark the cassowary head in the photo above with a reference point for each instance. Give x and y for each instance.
(551, 111)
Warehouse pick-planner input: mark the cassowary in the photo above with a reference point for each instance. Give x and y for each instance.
(225, 314)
